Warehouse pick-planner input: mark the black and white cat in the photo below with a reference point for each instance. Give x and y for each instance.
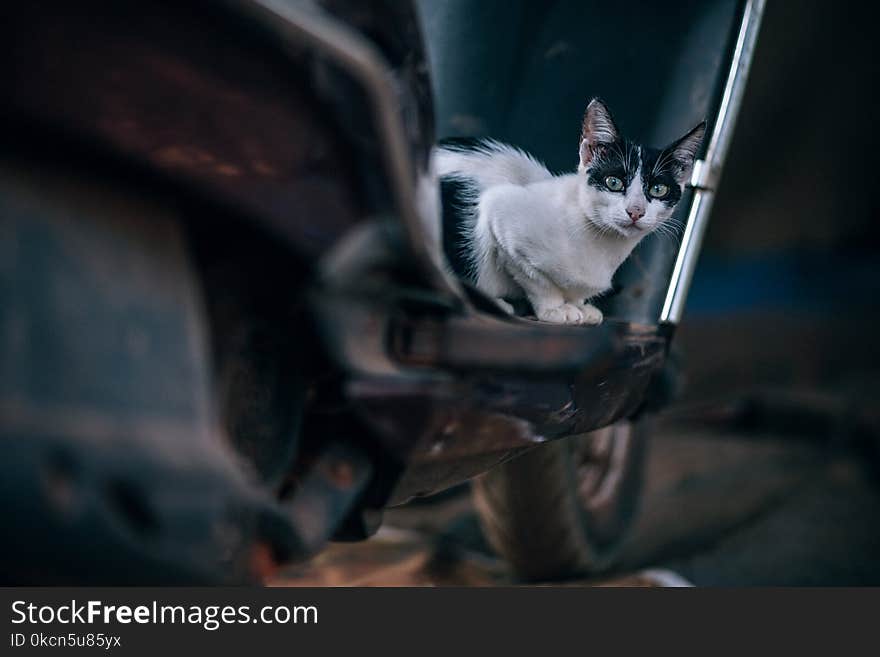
(557, 240)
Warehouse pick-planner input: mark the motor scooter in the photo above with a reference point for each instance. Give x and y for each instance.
(230, 332)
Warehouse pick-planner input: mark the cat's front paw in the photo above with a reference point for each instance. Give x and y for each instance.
(506, 307)
(592, 315)
(567, 313)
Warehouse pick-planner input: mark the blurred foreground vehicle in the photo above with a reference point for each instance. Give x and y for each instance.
(227, 331)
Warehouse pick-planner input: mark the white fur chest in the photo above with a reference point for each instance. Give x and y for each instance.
(542, 227)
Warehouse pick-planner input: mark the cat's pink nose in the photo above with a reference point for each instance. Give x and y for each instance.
(635, 212)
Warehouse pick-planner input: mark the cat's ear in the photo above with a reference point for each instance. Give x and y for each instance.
(684, 152)
(598, 129)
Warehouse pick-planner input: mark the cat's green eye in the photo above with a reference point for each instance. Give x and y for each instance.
(614, 183)
(658, 190)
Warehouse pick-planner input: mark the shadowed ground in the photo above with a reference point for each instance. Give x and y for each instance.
(764, 472)
(724, 507)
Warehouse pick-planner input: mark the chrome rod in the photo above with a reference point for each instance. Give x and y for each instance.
(707, 172)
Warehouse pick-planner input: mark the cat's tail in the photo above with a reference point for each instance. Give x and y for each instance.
(487, 164)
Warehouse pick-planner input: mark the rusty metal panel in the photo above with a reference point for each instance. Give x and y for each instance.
(194, 93)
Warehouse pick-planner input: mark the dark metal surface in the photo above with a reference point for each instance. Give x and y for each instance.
(327, 492)
(461, 343)
(110, 454)
(193, 91)
(259, 337)
(481, 420)
(116, 467)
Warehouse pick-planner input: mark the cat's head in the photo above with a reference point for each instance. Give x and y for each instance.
(630, 189)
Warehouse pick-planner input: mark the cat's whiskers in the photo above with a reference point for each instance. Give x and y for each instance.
(668, 230)
(661, 161)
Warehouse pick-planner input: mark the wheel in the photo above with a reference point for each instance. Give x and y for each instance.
(562, 509)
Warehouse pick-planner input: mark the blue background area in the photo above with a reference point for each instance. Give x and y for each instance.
(799, 281)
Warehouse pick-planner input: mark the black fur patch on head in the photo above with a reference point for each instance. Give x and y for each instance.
(659, 167)
(622, 160)
(619, 159)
